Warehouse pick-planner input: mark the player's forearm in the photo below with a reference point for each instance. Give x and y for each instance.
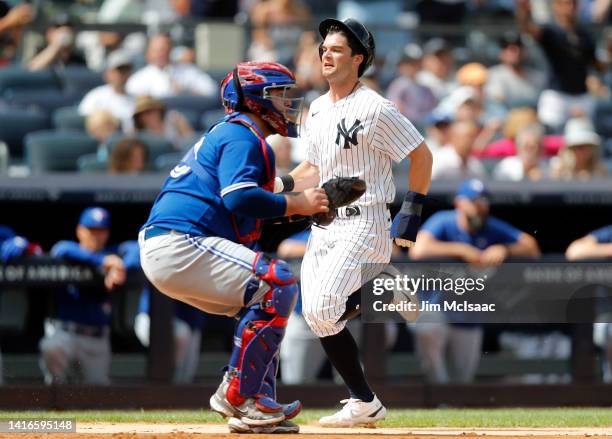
(256, 203)
(526, 247)
(579, 251)
(305, 176)
(419, 175)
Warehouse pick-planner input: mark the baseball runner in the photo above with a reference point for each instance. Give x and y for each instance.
(353, 131)
(197, 245)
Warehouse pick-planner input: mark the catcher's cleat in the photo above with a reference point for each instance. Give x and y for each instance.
(236, 425)
(252, 412)
(355, 412)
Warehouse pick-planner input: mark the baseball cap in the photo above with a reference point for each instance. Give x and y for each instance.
(472, 189)
(95, 218)
(580, 131)
(118, 58)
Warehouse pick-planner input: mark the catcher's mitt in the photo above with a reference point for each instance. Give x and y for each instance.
(341, 191)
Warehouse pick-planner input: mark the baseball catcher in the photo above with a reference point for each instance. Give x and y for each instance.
(197, 243)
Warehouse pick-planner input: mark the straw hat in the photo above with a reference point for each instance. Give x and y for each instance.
(147, 103)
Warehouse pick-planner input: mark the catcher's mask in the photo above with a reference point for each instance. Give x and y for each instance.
(268, 90)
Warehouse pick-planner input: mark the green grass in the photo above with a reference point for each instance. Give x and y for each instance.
(561, 417)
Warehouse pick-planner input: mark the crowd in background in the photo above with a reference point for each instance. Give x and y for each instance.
(529, 103)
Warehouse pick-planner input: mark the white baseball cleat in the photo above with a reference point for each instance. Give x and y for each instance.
(238, 426)
(253, 412)
(355, 412)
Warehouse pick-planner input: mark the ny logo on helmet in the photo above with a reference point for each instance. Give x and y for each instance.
(350, 135)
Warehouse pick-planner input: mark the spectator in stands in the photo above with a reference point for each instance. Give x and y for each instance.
(517, 119)
(161, 78)
(528, 163)
(113, 96)
(596, 245)
(580, 156)
(151, 116)
(437, 70)
(277, 26)
(129, 156)
(187, 331)
(101, 125)
(455, 159)
(12, 22)
(451, 351)
(437, 129)
(78, 337)
(511, 82)
(60, 50)
(570, 51)
(415, 101)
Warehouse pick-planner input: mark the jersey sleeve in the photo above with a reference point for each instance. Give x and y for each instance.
(502, 232)
(436, 225)
(603, 235)
(241, 165)
(72, 251)
(394, 134)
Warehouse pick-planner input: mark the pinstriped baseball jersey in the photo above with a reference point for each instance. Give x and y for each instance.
(358, 136)
(355, 136)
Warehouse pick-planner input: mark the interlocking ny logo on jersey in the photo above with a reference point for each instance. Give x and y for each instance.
(350, 135)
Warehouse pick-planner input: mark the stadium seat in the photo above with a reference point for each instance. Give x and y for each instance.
(56, 151)
(80, 79)
(91, 163)
(45, 100)
(15, 124)
(15, 80)
(210, 117)
(196, 103)
(68, 118)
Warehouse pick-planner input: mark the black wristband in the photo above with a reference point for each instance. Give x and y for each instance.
(413, 204)
(288, 183)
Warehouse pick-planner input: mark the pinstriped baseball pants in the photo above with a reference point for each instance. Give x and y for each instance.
(338, 261)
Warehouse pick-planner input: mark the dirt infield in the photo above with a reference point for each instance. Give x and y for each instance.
(219, 431)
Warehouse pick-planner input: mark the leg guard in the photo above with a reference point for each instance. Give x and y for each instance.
(261, 330)
(268, 389)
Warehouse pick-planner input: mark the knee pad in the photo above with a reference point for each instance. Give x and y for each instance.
(283, 294)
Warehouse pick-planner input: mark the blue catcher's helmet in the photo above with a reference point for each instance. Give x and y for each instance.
(265, 89)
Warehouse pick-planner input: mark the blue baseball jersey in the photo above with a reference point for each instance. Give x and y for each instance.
(603, 235)
(91, 307)
(229, 157)
(443, 226)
